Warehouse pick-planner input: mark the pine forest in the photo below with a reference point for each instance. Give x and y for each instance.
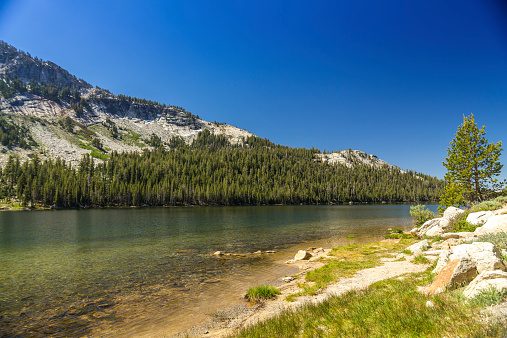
(210, 171)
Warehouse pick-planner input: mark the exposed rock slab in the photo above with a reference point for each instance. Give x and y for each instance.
(494, 224)
(484, 255)
(457, 272)
(486, 280)
(480, 217)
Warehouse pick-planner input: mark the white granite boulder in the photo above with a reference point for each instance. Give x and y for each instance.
(456, 272)
(302, 255)
(437, 226)
(493, 225)
(418, 247)
(486, 280)
(452, 212)
(479, 217)
(485, 256)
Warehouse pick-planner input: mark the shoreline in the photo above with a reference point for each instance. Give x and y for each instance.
(227, 320)
(56, 208)
(388, 267)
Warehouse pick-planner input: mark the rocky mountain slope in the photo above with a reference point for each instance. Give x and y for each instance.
(352, 157)
(68, 117)
(60, 115)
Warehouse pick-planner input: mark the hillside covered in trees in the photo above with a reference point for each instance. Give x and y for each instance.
(210, 171)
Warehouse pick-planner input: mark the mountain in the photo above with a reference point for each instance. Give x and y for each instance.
(351, 158)
(48, 115)
(66, 117)
(63, 116)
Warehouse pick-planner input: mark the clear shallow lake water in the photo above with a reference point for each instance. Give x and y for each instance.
(134, 272)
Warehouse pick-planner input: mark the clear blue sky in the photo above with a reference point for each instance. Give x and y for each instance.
(391, 78)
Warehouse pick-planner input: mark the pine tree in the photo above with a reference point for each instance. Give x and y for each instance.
(472, 165)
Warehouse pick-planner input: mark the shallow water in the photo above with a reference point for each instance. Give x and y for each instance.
(134, 272)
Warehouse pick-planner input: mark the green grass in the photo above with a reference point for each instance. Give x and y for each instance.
(389, 308)
(100, 155)
(348, 260)
(85, 146)
(258, 293)
(489, 297)
(420, 259)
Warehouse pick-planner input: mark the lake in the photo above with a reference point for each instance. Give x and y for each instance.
(135, 272)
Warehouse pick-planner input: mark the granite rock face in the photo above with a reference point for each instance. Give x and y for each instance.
(485, 256)
(486, 280)
(437, 226)
(494, 224)
(135, 120)
(21, 65)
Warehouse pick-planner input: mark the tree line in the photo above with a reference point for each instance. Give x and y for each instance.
(210, 171)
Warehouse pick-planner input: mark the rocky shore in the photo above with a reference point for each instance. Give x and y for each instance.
(461, 261)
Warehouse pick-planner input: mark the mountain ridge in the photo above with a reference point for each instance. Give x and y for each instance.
(68, 117)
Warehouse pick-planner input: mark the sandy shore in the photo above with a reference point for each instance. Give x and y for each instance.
(224, 322)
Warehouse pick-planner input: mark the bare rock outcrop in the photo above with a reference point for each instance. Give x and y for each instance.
(486, 280)
(479, 217)
(437, 226)
(456, 272)
(485, 256)
(494, 224)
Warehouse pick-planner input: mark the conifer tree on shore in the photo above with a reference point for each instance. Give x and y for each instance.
(472, 165)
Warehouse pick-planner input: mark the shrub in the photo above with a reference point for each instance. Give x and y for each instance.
(261, 292)
(501, 199)
(498, 239)
(459, 223)
(420, 214)
(487, 205)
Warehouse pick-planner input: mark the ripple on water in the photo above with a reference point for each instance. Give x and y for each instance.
(136, 272)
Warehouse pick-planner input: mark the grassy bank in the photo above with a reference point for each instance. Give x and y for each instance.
(389, 308)
(346, 260)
